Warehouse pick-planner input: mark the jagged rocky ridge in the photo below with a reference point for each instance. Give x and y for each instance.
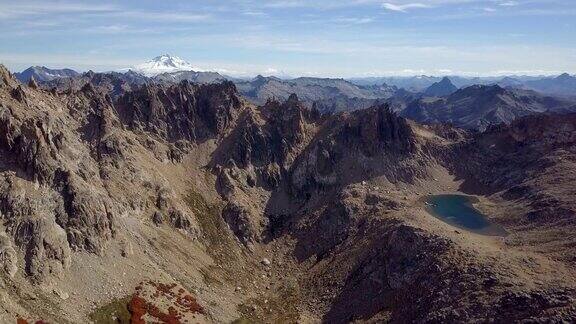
(474, 106)
(63, 150)
(214, 179)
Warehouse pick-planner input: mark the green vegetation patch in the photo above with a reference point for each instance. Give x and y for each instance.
(217, 238)
(115, 312)
(209, 217)
(278, 307)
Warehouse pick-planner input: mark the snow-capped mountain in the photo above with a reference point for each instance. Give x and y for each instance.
(163, 64)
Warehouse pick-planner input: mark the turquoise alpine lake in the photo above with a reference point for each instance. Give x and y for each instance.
(458, 210)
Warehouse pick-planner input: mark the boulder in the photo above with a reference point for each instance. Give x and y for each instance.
(240, 221)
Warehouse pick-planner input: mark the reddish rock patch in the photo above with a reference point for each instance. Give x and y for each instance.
(165, 302)
(20, 320)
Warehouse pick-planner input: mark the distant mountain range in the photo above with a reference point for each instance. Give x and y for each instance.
(161, 69)
(113, 83)
(42, 74)
(420, 83)
(562, 85)
(479, 106)
(474, 103)
(309, 90)
(167, 68)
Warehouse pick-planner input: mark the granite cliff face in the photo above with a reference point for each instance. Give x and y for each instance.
(115, 195)
(179, 112)
(64, 154)
(50, 202)
(375, 134)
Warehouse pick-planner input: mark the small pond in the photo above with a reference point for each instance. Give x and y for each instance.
(458, 210)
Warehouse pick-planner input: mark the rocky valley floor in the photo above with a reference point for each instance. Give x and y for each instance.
(183, 203)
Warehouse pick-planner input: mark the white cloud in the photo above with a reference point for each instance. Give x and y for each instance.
(14, 10)
(508, 4)
(161, 16)
(403, 7)
(317, 4)
(355, 20)
(35, 10)
(335, 4)
(253, 13)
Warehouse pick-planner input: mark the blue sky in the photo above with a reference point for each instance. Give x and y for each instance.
(336, 38)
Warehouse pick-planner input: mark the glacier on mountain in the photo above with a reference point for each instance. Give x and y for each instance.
(163, 64)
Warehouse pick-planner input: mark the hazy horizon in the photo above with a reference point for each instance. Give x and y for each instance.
(282, 75)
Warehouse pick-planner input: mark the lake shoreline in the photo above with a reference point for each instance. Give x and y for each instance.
(460, 211)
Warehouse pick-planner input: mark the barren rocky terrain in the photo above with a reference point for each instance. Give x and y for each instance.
(185, 203)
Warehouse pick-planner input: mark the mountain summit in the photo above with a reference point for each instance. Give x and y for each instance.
(163, 64)
(445, 87)
(42, 73)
